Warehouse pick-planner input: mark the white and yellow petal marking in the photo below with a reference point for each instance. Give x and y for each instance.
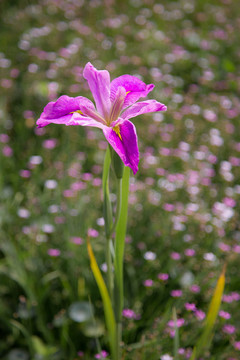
(117, 131)
(77, 111)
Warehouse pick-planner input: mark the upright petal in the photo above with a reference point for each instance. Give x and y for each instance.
(143, 107)
(126, 146)
(135, 88)
(99, 84)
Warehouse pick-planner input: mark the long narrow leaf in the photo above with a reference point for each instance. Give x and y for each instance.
(119, 245)
(205, 339)
(108, 309)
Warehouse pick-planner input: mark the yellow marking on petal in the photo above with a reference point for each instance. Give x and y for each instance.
(128, 92)
(77, 111)
(117, 131)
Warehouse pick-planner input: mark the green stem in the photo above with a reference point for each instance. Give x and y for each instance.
(118, 340)
(109, 268)
(176, 336)
(107, 213)
(121, 227)
(107, 207)
(115, 278)
(119, 204)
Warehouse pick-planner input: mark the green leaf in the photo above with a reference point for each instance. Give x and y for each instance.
(119, 245)
(108, 309)
(205, 339)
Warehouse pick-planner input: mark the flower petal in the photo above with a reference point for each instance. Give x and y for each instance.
(99, 84)
(71, 120)
(60, 111)
(135, 88)
(85, 121)
(127, 148)
(143, 107)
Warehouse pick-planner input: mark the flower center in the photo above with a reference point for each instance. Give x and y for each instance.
(91, 113)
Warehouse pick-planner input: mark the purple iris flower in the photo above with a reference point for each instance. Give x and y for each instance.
(116, 103)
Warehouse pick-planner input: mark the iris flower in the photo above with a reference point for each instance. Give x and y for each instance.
(116, 103)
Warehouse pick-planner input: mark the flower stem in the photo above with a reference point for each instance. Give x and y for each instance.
(107, 207)
(121, 227)
(109, 268)
(118, 340)
(115, 254)
(119, 204)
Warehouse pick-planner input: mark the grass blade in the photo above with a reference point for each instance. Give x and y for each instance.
(108, 309)
(205, 339)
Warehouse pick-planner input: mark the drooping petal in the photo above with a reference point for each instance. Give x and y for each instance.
(143, 107)
(60, 111)
(135, 88)
(99, 84)
(65, 105)
(71, 120)
(126, 146)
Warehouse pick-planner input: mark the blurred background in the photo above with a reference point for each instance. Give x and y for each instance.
(184, 201)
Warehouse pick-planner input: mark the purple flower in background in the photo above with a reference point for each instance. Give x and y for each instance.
(180, 322)
(103, 354)
(148, 283)
(229, 329)
(163, 276)
(54, 252)
(237, 345)
(200, 315)
(116, 103)
(190, 307)
(176, 293)
(224, 314)
(130, 314)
